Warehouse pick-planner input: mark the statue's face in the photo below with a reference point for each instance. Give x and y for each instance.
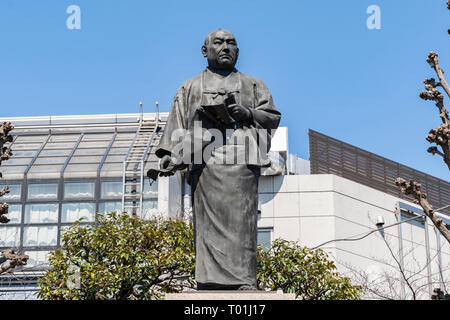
(221, 50)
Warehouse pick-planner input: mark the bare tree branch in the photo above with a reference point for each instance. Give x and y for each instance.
(5, 128)
(433, 61)
(9, 258)
(5, 154)
(12, 260)
(3, 211)
(400, 268)
(448, 7)
(413, 188)
(441, 134)
(386, 285)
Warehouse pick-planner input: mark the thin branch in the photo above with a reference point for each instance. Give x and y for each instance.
(413, 188)
(3, 211)
(5, 153)
(441, 134)
(13, 260)
(9, 258)
(433, 61)
(4, 191)
(448, 7)
(400, 268)
(372, 287)
(434, 151)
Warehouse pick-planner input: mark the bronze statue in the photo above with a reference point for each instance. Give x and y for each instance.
(225, 195)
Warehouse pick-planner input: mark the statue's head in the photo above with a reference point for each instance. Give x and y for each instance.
(220, 48)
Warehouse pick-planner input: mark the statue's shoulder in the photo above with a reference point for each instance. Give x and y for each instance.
(194, 81)
(252, 80)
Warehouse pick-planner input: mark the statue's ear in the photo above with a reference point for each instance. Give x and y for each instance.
(204, 51)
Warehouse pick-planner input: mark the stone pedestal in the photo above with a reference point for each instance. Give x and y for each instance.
(230, 295)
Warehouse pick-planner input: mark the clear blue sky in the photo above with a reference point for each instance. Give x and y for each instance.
(325, 69)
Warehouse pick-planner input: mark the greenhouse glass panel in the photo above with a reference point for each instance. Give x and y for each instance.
(60, 145)
(49, 160)
(41, 213)
(107, 207)
(150, 190)
(94, 144)
(125, 136)
(112, 170)
(74, 170)
(22, 154)
(79, 190)
(86, 159)
(119, 150)
(98, 136)
(64, 138)
(72, 212)
(9, 236)
(114, 158)
(45, 172)
(89, 152)
(111, 189)
(26, 146)
(40, 236)
(14, 213)
(13, 172)
(42, 191)
(14, 192)
(29, 139)
(16, 162)
(122, 144)
(54, 153)
(37, 258)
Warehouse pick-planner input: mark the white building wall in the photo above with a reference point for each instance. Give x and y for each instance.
(314, 209)
(298, 165)
(170, 195)
(279, 140)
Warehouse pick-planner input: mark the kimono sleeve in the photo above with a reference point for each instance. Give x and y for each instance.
(266, 117)
(176, 124)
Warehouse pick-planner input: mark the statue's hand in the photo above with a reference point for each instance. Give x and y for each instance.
(239, 113)
(165, 162)
(167, 166)
(166, 174)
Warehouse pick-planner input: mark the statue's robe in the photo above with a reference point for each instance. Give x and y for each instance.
(225, 196)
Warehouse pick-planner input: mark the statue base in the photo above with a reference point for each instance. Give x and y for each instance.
(230, 295)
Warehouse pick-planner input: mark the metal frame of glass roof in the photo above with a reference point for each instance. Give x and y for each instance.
(76, 148)
(69, 149)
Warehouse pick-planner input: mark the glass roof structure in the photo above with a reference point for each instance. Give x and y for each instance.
(72, 147)
(65, 168)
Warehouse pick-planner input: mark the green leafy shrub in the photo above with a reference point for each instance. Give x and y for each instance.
(307, 273)
(124, 257)
(121, 257)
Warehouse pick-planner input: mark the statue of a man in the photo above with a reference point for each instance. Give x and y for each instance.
(225, 195)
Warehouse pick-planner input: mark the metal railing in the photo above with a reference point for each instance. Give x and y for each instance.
(332, 156)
